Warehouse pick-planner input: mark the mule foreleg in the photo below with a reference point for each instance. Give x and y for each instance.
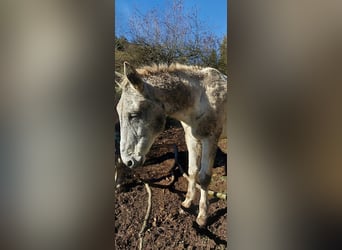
(194, 149)
(209, 146)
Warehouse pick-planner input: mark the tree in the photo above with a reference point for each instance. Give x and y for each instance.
(131, 52)
(223, 60)
(121, 43)
(172, 35)
(212, 60)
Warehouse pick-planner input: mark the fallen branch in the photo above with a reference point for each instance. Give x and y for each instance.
(210, 192)
(167, 185)
(141, 236)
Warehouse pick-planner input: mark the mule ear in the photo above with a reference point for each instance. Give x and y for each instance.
(118, 78)
(133, 77)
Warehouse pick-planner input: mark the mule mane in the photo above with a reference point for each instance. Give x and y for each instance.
(163, 68)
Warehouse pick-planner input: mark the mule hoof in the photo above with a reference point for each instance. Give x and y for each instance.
(201, 221)
(186, 203)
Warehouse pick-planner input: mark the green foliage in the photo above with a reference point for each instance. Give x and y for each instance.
(121, 44)
(140, 55)
(212, 60)
(130, 52)
(223, 60)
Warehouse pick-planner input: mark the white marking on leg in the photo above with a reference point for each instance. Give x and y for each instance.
(203, 208)
(194, 149)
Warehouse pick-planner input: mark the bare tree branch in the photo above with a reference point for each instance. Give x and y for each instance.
(174, 34)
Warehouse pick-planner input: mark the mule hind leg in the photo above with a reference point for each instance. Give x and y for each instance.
(194, 149)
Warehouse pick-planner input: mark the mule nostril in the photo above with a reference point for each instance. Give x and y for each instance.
(129, 163)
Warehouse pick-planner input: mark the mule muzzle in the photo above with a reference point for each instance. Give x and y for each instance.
(134, 161)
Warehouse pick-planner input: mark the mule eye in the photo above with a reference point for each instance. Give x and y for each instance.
(133, 115)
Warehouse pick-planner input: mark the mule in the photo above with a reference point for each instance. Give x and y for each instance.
(195, 96)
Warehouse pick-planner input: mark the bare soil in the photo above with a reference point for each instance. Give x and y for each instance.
(170, 226)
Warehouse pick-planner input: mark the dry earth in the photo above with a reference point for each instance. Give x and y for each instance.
(169, 227)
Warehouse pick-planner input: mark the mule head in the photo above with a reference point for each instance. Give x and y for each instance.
(141, 117)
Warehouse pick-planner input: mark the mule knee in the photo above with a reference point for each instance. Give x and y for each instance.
(204, 179)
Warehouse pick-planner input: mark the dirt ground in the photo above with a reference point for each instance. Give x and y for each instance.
(169, 226)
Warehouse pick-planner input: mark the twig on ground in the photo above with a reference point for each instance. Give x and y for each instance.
(172, 179)
(210, 192)
(141, 236)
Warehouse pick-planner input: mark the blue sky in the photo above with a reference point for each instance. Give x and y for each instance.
(211, 12)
